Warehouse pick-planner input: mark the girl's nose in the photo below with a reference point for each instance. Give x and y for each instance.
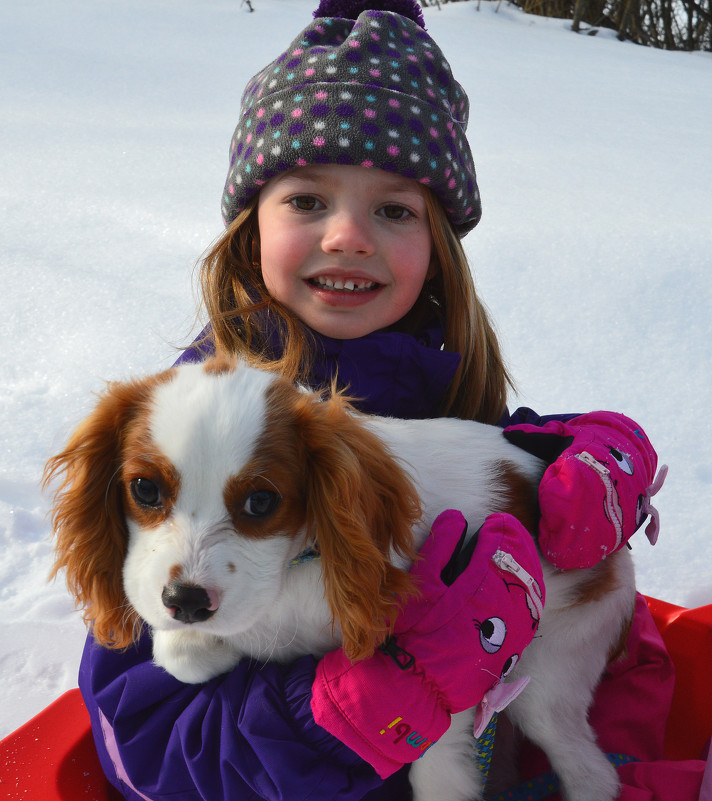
(348, 233)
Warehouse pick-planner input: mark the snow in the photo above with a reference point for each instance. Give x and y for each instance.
(594, 253)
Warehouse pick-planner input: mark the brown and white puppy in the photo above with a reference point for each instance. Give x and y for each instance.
(188, 497)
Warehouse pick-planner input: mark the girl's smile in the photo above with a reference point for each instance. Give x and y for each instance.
(350, 285)
(344, 291)
(347, 249)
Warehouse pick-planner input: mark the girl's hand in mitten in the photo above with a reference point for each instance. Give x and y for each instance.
(596, 491)
(478, 607)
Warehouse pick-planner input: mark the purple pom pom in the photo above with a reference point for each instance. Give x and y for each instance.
(350, 9)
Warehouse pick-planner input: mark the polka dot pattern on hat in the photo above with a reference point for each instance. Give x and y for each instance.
(375, 92)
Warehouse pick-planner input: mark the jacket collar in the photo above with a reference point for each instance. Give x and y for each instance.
(389, 374)
(386, 373)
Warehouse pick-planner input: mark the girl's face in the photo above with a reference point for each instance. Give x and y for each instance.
(346, 249)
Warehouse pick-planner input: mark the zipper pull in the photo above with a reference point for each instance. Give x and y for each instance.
(505, 561)
(593, 463)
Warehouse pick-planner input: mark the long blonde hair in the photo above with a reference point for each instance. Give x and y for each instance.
(241, 313)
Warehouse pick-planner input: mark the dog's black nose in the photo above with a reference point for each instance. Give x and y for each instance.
(187, 602)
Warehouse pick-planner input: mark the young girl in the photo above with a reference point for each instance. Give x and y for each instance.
(350, 185)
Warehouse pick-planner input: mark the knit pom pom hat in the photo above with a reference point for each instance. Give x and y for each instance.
(361, 86)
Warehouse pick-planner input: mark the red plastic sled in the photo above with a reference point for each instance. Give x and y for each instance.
(52, 757)
(687, 634)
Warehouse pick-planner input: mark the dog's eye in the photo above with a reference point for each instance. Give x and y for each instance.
(492, 634)
(145, 492)
(261, 503)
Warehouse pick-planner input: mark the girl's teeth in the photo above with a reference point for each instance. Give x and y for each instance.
(350, 285)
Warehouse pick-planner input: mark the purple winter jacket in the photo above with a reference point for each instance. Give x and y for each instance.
(250, 735)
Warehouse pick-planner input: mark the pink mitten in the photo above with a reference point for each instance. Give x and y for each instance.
(479, 606)
(596, 492)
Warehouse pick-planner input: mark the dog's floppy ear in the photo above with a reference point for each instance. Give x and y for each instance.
(361, 505)
(87, 513)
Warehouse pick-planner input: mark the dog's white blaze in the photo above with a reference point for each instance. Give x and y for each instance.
(208, 429)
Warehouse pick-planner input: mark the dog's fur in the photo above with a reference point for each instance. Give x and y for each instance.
(249, 470)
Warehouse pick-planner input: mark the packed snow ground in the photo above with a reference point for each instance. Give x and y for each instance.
(594, 253)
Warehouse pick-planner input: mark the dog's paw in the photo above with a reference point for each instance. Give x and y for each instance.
(597, 781)
(447, 771)
(191, 657)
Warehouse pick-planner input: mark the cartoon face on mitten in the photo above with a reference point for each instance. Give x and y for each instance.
(623, 504)
(626, 465)
(519, 600)
(493, 636)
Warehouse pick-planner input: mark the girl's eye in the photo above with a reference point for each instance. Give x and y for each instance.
(492, 634)
(394, 212)
(305, 203)
(145, 492)
(261, 503)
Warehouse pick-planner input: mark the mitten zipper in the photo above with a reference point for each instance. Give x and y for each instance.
(505, 561)
(611, 503)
